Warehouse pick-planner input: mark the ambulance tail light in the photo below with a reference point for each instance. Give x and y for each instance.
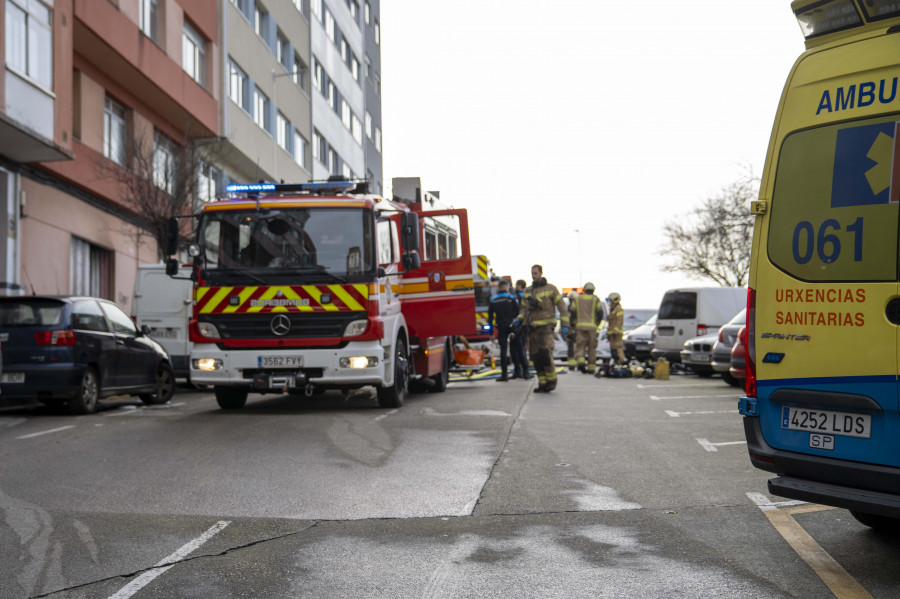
(750, 343)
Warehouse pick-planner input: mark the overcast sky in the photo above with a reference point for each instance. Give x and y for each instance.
(612, 118)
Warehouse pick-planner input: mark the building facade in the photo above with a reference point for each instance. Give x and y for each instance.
(89, 89)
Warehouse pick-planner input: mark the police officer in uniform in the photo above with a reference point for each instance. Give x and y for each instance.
(588, 316)
(540, 303)
(502, 312)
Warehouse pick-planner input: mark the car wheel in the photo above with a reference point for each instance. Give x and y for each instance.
(443, 377)
(164, 382)
(88, 394)
(231, 398)
(877, 521)
(729, 379)
(393, 396)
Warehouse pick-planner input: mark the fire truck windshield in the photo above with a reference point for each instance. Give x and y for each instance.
(269, 245)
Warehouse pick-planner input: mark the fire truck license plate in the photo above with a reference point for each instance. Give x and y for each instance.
(279, 361)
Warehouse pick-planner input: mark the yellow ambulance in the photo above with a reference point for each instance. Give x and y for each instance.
(821, 408)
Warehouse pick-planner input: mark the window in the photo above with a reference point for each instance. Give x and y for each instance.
(114, 131)
(260, 20)
(299, 72)
(377, 33)
(353, 5)
(316, 7)
(367, 12)
(331, 95)
(237, 85)
(329, 24)
(121, 322)
(378, 139)
(368, 124)
(29, 40)
(368, 67)
(86, 316)
(208, 178)
(318, 147)
(346, 170)
(354, 67)
(302, 6)
(90, 269)
(163, 163)
(345, 114)
(260, 109)
(301, 150)
(334, 162)
(385, 243)
(318, 76)
(281, 131)
(193, 54)
(345, 50)
(356, 128)
(149, 18)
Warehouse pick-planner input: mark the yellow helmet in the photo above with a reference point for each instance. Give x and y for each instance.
(614, 297)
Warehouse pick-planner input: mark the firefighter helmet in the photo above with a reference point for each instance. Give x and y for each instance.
(573, 295)
(614, 297)
(589, 286)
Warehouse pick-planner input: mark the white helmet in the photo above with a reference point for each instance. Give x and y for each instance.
(614, 297)
(589, 286)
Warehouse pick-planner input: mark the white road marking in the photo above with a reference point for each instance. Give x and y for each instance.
(385, 415)
(675, 414)
(52, 430)
(766, 504)
(709, 446)
(661, 385)
(147, 577)
(657, 398)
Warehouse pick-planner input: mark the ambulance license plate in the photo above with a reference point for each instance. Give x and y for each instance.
(279, 361)
(847, 424)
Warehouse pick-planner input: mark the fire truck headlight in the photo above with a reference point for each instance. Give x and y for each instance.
(355, 328)
(208, 330)
(207, 364)
(358, 362)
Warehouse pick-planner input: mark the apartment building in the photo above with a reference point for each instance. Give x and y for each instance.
(90, 87)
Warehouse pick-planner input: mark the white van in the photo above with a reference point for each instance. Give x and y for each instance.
(164, 304)
(693, 312)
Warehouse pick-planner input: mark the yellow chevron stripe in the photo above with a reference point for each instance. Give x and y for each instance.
(345, 297)
(244, 296)
(217, 299)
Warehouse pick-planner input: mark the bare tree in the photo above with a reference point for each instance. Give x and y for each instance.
(714, 240)
(160, 179)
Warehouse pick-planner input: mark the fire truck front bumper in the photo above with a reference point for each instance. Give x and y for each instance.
(357, 364)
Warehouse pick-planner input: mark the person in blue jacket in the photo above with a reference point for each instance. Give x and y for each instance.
(502, 310)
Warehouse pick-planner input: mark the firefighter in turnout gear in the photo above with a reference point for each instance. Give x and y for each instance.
(540, 303)
(570, 338)
(588, 316)
(614, 332)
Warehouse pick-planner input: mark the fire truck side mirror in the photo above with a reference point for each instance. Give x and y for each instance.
(171, 236)
(409, 231)
(410, 262)
(172, 267)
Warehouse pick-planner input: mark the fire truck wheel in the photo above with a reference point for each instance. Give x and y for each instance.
(393, 396)
(443, 377)
(231, 398)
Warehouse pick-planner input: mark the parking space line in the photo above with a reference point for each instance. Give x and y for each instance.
(709, 446)
(657, 397)
(675, 414)
(52, 430)
(835, 577)
(662, 385)
(150, 575)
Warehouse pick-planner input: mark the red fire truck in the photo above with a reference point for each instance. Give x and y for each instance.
(304, 287)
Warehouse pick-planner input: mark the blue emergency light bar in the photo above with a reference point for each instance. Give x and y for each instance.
(312, 187)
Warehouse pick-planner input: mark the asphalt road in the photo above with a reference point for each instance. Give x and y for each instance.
(604, 488)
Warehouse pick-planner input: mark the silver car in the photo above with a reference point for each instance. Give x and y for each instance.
(696, 354)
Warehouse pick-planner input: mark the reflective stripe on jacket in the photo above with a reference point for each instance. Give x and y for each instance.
(589, 312)
(548, 301)
(616, 320)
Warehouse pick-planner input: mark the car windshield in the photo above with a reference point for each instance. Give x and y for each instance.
(31, 313)
(312, 244)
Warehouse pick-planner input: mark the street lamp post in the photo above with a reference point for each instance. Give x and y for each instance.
(578, 231)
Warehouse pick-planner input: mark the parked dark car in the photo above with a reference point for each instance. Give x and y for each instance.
(728, 333)
(696, 354)
(78, 350)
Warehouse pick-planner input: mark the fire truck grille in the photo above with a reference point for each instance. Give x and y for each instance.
(257, 326)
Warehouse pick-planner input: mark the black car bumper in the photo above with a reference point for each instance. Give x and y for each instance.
(45, 381)
(869, 488)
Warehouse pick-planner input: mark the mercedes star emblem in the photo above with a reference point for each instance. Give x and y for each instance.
(280, 325)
